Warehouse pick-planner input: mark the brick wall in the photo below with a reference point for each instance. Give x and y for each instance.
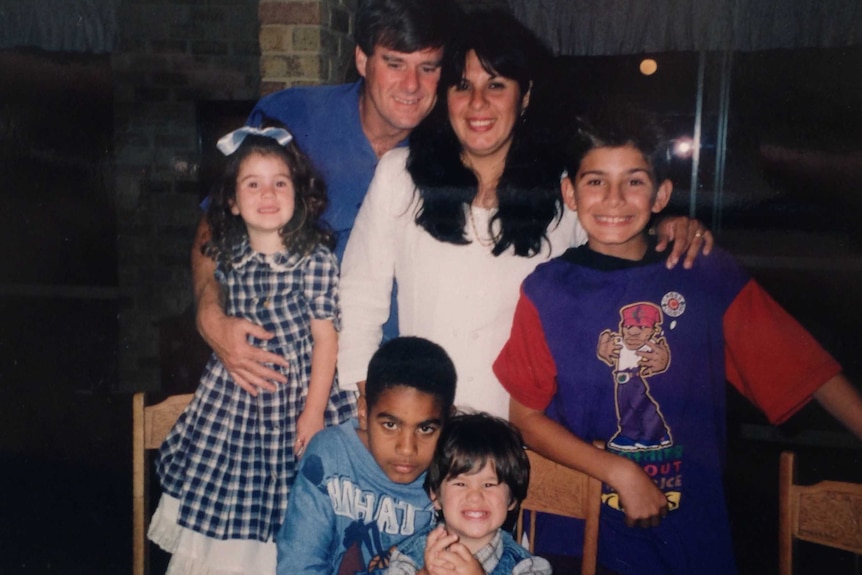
(169, 56)
(305, 42)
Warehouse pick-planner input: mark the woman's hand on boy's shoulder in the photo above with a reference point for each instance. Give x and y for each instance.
(688, 235)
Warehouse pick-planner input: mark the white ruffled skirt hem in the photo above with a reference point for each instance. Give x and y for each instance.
(197, 554)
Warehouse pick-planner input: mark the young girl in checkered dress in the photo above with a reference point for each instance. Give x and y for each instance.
(228, 464)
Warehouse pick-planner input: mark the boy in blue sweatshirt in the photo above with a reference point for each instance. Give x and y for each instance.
(359, 490)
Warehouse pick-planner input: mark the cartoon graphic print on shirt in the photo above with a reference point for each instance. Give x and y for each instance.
(636, 352)
(375, 515)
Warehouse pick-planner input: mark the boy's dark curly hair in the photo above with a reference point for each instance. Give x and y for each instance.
(304, 230)
(410, 361)
(620, 122)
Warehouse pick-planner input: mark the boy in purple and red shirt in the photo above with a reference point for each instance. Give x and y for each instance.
(609, 344)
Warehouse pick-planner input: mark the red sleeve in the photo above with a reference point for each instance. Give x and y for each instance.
(769, 357)
(525, 366)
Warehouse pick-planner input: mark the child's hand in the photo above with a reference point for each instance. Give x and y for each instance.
(436, 543)
(306, 426)
(444, 555)
(643, 503)
(458, 561)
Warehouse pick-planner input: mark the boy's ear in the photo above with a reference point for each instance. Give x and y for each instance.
(361, 59)
(362, 412)
(567, 188)
(434, 499)
(662, 196)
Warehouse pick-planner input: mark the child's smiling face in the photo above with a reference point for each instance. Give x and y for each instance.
(474, 505)
(401, 431)
(264, 199)
(615, 195)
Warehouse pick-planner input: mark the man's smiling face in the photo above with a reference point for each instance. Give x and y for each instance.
(400, 87)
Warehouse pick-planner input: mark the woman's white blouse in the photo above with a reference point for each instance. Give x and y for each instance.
(459, 296)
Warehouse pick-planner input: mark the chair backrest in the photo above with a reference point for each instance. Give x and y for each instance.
(827, 513)
(559, 490)
(150, 426)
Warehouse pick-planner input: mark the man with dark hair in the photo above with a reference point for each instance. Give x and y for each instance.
(345, 129)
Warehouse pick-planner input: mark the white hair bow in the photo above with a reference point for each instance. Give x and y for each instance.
(231, 141)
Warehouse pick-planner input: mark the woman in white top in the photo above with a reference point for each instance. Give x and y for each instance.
(462, 216)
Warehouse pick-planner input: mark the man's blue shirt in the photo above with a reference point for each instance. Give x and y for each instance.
(326, 124)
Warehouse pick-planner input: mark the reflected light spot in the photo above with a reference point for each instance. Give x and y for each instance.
(648, 67)
(683, 147)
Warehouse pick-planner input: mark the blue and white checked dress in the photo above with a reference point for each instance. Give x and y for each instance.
(229, 459)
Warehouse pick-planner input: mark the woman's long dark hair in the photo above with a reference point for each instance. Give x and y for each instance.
(528, 193)
(300, 234)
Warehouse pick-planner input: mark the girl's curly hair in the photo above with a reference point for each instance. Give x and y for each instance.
(304, 230)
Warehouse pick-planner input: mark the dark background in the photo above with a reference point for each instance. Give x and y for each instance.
(790, 214)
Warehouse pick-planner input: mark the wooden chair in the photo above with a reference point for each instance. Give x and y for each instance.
(827, 513)
(150, 426)
(558, 490)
